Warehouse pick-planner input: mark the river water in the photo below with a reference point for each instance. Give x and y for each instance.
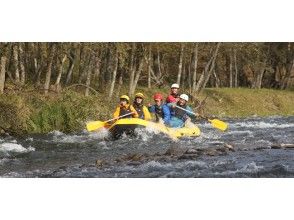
(92, 155)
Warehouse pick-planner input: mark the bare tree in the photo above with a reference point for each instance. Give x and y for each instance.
(195, 64)
(231, 69)
(49, 68)
(149, 66)
(21, 64)
(132, 67)
(236, 68)
(2, 72)
(180, 64)
(69, 73)
(113, 74)
(16, 62)
(60, 71)
(209, 67)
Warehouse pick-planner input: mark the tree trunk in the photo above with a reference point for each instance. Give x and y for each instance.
(180, 64)
(132, 68)
(137, 76)
(231, 69)
(120, 82)
(16, 63)
(195, 62)
(189, 78)
(113, 75)
(207, 71)
(236, 68)
(217, 81)
(159, 65)
(49, 68)
(88, 78)
(21, 64)
(60, 71)
(70, 68)
(149, 67)
(183, 85)
(286, 78)
(97, 70)
(2, 73)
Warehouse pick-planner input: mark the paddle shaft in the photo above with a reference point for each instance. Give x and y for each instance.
(191, 112)
(186, 110)
(119, 117)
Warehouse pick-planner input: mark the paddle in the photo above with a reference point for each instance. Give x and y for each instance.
(215, 122)
(94, 125)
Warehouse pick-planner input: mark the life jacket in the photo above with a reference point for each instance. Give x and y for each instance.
(175, 95)
(158, 112)
(179, 113)
(125, 110)
(139, 109)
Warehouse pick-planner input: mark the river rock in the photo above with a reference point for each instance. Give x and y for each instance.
(191, 151)
(99, 163)
(229, 146)
(175, 151)
(188, 157)
(212, 152)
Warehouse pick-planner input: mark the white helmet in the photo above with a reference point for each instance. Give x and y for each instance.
(175, 85)
(185, 97)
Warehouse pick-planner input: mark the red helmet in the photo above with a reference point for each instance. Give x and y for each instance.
(170, 99)
(158, 96)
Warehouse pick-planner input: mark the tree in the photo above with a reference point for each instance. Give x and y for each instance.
(49, 67)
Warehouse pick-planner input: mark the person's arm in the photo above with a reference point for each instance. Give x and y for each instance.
(166, 113)
(147, 114)
(151, 109)
(135, 115)
(116, 113)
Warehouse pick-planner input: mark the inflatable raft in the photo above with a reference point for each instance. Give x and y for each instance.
(128, 125)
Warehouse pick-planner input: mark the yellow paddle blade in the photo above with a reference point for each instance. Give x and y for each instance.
(94, 125)
(218, 124)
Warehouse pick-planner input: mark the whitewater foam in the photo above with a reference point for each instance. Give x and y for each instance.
(16, 148)
(60, 137)
(260, 125)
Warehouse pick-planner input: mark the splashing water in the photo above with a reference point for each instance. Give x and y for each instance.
(57, 154)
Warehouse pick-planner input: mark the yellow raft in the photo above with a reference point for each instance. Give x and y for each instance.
(127, 126)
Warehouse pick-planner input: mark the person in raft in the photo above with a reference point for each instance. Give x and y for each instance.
(125, 108)
(161, 110)
(141, 109)
(179, 116)
(174, 93)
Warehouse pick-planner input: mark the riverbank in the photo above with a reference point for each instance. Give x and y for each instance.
(68, 112)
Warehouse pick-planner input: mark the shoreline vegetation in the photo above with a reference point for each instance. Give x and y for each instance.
(31, 112)
(46, 86)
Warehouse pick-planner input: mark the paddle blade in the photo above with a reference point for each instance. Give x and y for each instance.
(219, 124)
(94, 125)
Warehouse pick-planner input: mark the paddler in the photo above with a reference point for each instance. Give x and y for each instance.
(125, 108)
(174, 93)
(179, 116)
(141, 109)
(161, 110)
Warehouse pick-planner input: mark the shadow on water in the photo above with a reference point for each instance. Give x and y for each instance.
(246, 150)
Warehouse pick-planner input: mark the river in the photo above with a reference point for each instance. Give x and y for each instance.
(247, 149)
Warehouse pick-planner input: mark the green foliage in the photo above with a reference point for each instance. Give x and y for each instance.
(14, 113)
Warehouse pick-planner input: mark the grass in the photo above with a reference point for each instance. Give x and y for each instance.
(68, 112)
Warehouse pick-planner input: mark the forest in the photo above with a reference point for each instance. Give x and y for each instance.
(107, 67)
